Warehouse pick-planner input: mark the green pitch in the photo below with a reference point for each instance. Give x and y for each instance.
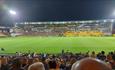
(56, 44)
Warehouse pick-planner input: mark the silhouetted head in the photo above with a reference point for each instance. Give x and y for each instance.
(90, 64)
(36, 66)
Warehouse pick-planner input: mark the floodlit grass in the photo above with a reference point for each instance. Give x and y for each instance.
(56, 44)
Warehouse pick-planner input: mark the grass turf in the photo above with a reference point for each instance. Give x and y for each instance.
(56, 44)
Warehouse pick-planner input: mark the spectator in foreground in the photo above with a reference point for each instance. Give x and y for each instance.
(36, 66)
(90, 64)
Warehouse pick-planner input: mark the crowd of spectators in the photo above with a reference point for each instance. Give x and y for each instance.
(63, 61)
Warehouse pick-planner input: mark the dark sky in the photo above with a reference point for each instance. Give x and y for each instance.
(61, 10)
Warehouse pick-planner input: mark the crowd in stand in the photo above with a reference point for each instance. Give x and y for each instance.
(63, 61)
(84, 33)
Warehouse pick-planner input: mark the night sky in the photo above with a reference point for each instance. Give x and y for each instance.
(58, 10)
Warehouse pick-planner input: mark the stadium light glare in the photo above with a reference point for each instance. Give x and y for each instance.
(105, 21)
(112, 20)
(12, 12)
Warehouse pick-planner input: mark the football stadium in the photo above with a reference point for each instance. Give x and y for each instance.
(72, 36)
(54, 43)
(57, 35)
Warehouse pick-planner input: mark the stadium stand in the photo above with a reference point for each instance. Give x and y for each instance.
(2, 34)
(62, 61)
(4, 31)
(83, 33)
(67, 28)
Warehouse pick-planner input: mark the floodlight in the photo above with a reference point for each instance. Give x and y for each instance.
(12, 12)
